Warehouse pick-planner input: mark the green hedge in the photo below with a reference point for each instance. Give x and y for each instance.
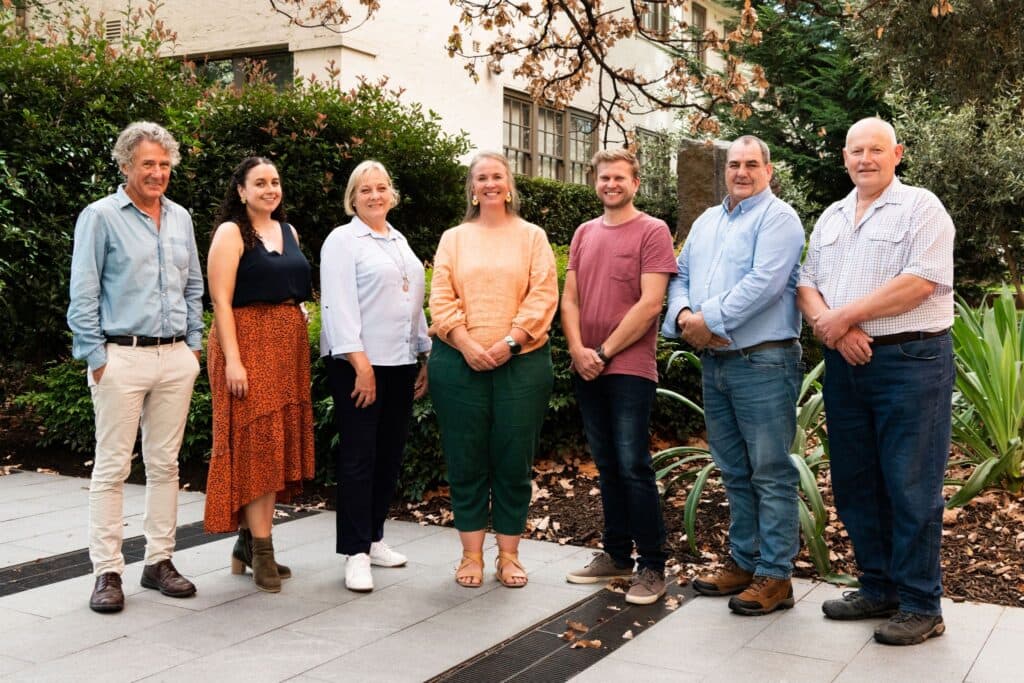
(63, 106)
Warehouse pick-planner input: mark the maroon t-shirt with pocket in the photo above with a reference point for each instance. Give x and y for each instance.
(609, 260)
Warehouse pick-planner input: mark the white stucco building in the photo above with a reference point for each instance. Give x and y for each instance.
(405, 42)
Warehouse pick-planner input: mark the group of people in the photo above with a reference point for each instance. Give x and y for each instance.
(876, 286)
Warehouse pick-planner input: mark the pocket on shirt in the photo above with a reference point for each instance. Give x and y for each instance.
(625, 267)
(179, 253)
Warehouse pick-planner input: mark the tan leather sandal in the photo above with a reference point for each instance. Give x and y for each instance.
(513, 580)
(470, 573)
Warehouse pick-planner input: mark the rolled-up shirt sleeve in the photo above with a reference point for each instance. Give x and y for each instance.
(340, 317)
(931, 245)
(678, 294)
(446, 309)
(194, 297)
(812, 260)
(537, 309)
(87, 340)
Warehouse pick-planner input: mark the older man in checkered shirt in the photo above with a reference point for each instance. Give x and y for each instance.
(877, 285)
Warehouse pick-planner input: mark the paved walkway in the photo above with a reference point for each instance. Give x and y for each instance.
(418, 623)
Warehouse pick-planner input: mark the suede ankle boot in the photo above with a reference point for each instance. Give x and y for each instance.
(264, 569)
(241, 555)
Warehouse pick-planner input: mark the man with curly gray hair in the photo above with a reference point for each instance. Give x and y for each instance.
(136, 319)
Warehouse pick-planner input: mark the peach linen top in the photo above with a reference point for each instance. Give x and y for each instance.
(493, 279)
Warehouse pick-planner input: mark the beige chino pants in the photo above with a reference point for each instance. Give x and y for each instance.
(153, 386)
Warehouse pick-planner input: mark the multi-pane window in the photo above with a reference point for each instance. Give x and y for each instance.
(655, 19)
(652, 151)
(275, 67)
(542, 141)
(700, 24)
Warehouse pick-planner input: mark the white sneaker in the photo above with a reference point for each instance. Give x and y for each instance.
(357, 573)
(382, 555)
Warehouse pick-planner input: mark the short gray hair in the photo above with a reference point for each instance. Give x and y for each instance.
(766, 154)
(130, 137)
(358, 173)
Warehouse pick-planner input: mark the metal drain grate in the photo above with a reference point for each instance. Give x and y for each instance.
(538, 654)
(42, 572)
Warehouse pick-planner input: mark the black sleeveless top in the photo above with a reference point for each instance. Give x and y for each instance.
(266, 277)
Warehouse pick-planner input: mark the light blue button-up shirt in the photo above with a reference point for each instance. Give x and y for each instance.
(128, 278)
(740, 268)
(364, 305)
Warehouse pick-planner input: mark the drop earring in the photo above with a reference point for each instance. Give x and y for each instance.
(508, 198)
(475, 201)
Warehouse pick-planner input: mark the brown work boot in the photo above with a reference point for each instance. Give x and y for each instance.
(727, 580)
(762, 596)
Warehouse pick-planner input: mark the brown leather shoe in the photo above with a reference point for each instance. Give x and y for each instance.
(764, 595)
(163, 577)
(728, 580)
(107, 595)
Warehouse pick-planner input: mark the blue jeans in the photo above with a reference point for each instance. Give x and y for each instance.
(616, 413)
(750, 411)
(889, 430)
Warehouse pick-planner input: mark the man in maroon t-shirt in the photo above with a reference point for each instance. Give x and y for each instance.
(619, 267)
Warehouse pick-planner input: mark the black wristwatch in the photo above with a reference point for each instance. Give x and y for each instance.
(514, 347)
(600, 354)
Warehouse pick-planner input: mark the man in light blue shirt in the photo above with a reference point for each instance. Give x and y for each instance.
(136, 319)
(734, 300)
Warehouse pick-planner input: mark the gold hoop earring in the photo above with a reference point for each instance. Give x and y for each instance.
(243, 200)
(475, 201)
(508, 198)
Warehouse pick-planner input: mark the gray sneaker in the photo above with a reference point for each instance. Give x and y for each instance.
(648, 585)
(855, 605)
(601, 568)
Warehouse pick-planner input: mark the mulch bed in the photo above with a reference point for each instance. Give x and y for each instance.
(982, 552)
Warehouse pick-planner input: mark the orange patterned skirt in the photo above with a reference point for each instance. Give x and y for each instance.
(263, 443)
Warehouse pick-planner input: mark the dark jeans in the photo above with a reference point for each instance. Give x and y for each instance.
(369, 455)
(616, 413)
(889, 431)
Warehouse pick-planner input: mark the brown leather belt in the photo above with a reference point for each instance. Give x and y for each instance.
(904, 337)
(144, 341)
(779, 344)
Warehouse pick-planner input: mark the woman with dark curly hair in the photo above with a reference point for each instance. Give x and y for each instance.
(259, 369)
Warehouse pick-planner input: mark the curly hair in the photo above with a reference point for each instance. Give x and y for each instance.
(134, 133)
(232, 209)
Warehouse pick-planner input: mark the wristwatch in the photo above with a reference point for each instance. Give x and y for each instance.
(600, 354)
(514, 347)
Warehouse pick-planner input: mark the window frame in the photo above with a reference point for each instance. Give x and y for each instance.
(530, 155)
(239, 59)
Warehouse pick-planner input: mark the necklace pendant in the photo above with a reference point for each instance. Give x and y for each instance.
(405, 284)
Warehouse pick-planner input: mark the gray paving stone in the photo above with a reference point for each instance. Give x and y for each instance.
(62, 541)
(83, 628)
(553, 573)
(970, 615)
(224, 625)
(999, 660)
(823, 591)
(609, 669)
(13, 620)
(442, 549)
(753, 666)
(8, 665)
(1012, 619)
(12, 553)
(22, 508)
(799, 632)
(948, 658)
(413, 654)
(212, 589)
(121, 659)
(37, 525)
(275, 656)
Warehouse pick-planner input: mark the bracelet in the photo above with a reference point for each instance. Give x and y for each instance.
(600, 354)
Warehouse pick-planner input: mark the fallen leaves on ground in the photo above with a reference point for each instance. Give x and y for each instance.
(594, 644)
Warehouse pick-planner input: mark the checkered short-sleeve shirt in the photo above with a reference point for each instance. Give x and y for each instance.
(906, 230)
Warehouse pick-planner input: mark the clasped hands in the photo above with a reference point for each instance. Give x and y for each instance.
(695, 331)
(831, 327)
(481, 359)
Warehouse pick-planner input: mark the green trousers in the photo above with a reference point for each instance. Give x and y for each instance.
(490, 432)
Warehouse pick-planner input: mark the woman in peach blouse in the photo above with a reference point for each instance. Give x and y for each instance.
(492, 299)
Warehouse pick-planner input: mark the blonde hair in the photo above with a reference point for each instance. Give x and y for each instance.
(473, 211)
(360, 172)
(608, 156)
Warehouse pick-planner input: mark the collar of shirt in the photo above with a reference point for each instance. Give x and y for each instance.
(123, 200)
(895, 193)
(748, 204)
(361, 229)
